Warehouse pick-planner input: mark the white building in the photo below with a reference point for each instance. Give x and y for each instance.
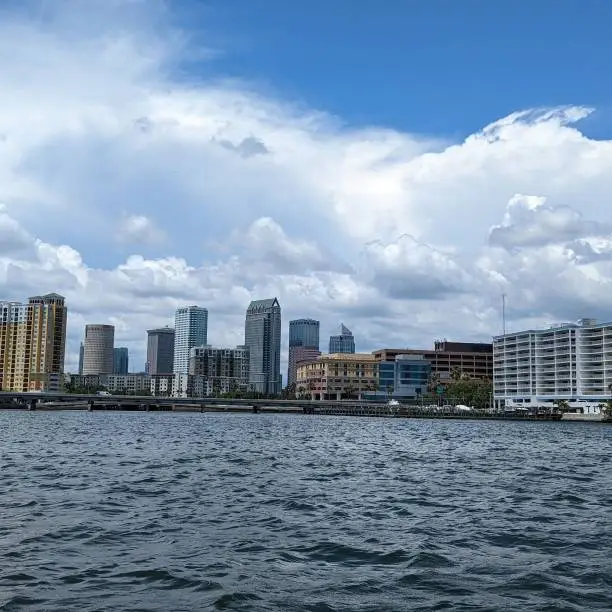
(191, 329)
(571, 362)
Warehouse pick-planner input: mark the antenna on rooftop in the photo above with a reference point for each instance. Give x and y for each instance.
(504, 313)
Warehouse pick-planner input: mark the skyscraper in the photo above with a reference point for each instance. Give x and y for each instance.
(160, 351)
(344, 342)
(98, 355)
(81, 351)
(303, 344)
(262, 335)
(120, 360)
(32, 343)
(191, 329)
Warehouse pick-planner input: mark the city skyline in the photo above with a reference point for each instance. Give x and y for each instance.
(352, 190)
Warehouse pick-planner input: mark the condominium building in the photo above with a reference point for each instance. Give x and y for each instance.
(121, 360)
(337, 376)
(303, 344)
(226, 369)
(344, 342)
(32, 343)
(98, 355)
(160, 351)
(262, 336)
(191, 329)
(571, 361)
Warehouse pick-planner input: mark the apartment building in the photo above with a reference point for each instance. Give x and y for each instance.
(337, 376)
(33, 343)
(225, 369)
(570, 361)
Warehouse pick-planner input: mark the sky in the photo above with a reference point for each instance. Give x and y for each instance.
(396, 166)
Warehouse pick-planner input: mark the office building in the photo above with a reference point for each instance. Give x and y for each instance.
(98, 355)
(120, 360)
(190, 329)
(226, 369)
(337, 376)
(33, 343)
(404, 378)
(160, 351)
(571, 362)
(474, 360)
(343, 342)
(303, 344)
(81, 350)
(262, 336)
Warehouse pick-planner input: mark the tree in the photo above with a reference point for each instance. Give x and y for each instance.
(349, 390)
(562, 405)
(474, 392)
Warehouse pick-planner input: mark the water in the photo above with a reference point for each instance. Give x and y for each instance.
(170, 512)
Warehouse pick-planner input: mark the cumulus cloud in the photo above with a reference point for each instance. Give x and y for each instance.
(408, 269)
(530, 222)
(256, 197)
(137, 230)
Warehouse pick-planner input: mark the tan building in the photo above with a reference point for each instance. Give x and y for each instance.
(337, 376)
(474, 360)
(33, 343)
(98, 354)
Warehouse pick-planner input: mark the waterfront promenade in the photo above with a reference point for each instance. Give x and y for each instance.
(57, 402)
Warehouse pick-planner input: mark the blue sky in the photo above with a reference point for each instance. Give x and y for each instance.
(435, 66)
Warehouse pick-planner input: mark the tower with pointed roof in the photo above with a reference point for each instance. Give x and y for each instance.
(342, 343)
(262, 336)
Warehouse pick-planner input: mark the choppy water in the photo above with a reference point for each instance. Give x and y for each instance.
(170, 512)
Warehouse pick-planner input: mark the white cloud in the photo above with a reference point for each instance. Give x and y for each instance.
(529, 221)
(138, 230)
(254, 197)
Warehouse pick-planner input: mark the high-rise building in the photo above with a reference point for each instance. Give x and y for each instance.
(191, 329)
(98, 354)
(226, 370)
(262, 336)
(567, 362)
(303, 344)
(342, 343)
(120, 360)
(33, 343)
(81, 351)
(160, 351)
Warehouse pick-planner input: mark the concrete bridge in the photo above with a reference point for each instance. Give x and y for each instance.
(69, 401)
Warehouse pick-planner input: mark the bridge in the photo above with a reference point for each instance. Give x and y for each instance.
(66, 401)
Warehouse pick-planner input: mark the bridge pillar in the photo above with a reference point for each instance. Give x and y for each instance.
(90, 405)
(32, 404)
(255, 409)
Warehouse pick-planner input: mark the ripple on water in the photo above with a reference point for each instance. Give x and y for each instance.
(180, 512)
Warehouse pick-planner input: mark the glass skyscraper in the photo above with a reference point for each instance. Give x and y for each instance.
(262, 336)
(303, 344)
(120, 360)
(160, 351)
(343, 343)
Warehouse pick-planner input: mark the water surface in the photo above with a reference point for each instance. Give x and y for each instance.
(171, 512)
